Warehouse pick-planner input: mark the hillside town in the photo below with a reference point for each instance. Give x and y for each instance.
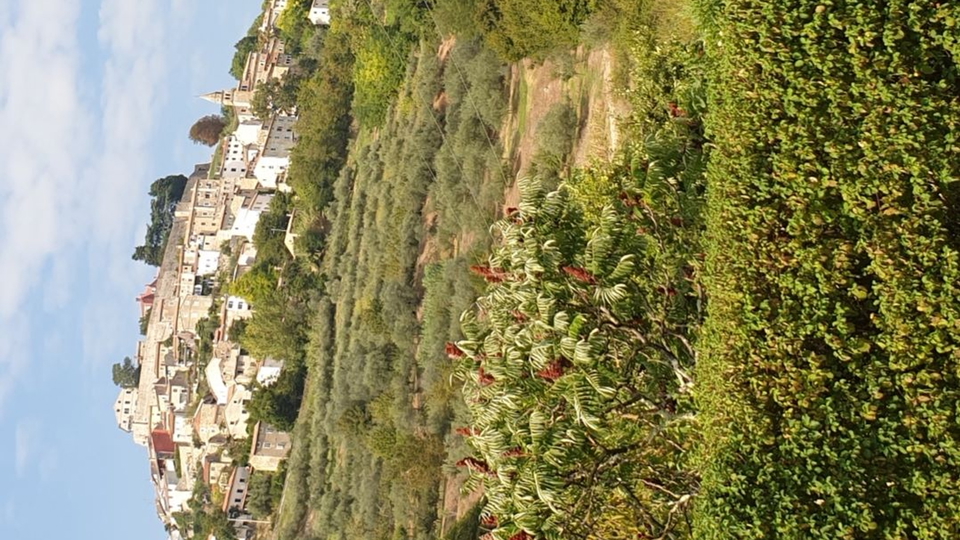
(188, 409)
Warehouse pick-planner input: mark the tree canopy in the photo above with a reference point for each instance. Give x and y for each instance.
(166, 193)
(208, 129)
(125, 374)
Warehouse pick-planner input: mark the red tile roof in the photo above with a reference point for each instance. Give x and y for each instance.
(162, 442)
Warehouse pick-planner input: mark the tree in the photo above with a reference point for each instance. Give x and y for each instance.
(273, 97)
(126, 375)
(166, 193)
(144, 323)
(208, 129)
(244, 47)
(279, 403)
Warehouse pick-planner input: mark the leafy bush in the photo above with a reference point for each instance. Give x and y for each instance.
(556, 134)
(829, 374)
(520, 29)
(378, 72)
(323, 104)
(576, 365)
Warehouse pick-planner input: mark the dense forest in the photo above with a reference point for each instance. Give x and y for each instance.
(732, 314)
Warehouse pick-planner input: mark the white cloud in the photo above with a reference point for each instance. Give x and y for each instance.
(136, 36)
(40, 146)
(74, 171)
(43, 120)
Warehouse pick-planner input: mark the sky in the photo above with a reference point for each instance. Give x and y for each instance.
(96, 98)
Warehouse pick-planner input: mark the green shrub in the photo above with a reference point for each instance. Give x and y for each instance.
(518, 29)
(828, 378)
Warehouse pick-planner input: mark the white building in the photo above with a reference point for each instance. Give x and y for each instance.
(236, 495)
(208, 261)
(215, 381)
(274, 159)
(269, 371)
(248, 132)
(235, 414)
(235, 159)
(249, 209)
(125, 407)
(319, 12)
(182, 429)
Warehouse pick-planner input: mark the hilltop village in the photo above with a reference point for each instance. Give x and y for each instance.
(189, 408)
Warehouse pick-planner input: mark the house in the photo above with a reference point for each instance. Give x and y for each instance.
(218, 387)
(250, 206)
(182, 429)
(319, 12)
(207, 421)
(179, 391)
(268, 447)
(235, 413)
(269, 371)
(248, 132)
(147, 297)
(124, 408)
(216, 472)
(274, 156)
(237, 367)
(236, 495)
(237, 308)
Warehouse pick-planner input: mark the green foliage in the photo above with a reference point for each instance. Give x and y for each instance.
(576, 363)
(256, 286)
(266, 491)
(470, 174)
(236, 330)
(239, 451)
(556, 134)
(379, 69)
(203, 518)
(467, 527)
(244, 47)
(165, 193)
(324, 109)
(279, 403)
(144, 323)
(294, 26)
(125, 374)
(457, 17)
(519, 29)
(365, 393)
(276, 96)
(829, 381)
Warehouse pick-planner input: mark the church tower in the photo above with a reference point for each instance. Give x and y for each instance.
(230, 98)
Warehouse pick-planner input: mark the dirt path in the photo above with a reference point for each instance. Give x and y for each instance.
(535, 89)
(602, 112)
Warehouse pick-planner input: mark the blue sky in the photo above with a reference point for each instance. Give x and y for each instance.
(96, 97)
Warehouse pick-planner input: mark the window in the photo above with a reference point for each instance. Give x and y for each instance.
(281, 446)
(236, 501)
